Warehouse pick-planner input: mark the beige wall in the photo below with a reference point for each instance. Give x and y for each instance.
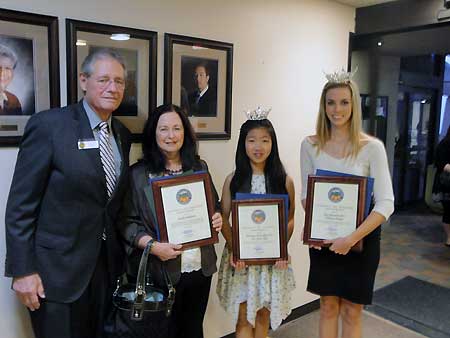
(281, 48)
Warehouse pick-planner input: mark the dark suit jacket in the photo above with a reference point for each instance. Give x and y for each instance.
(137, 220)
(12, 106)
(58, 204)
(206, 106)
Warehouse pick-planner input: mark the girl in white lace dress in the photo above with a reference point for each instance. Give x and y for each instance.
(257, 295)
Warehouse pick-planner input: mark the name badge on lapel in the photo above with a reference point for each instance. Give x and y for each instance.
(87, 144)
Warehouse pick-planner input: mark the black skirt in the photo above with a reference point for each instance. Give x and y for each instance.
(350, 276)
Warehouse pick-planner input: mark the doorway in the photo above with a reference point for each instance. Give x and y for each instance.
(413, 150)
(402, 83)
(406, 76)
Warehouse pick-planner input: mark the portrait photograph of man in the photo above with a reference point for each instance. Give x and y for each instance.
(17, 96)
(198, 95)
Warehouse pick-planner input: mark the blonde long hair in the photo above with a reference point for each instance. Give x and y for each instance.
(323, 124)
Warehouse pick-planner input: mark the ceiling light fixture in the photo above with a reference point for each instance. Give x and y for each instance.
(120, 37)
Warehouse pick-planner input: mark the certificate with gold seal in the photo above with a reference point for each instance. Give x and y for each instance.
(184, 206)
(259, 231)
(334, 208)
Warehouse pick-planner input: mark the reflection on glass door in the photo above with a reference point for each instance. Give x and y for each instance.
(415, 110)
(444, 121)
(381, 112)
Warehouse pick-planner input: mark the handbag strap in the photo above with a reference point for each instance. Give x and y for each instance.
(171, 289)
(137, 310)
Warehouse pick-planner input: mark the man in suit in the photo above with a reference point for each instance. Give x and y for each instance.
(70, 177)
(203, 101)
(9, 103)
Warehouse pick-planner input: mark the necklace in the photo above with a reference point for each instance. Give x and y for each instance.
(173, 172)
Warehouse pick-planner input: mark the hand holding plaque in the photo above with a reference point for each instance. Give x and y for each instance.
(334, 208)
(259, 231)
(184, 207)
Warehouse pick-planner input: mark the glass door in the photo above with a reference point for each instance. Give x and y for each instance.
(412, 146)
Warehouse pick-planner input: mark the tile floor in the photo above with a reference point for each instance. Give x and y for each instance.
(412, 245)
(373, 327)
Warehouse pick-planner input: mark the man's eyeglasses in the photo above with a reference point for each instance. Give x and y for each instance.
(105, 82)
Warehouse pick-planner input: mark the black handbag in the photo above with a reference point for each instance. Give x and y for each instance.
(141, 309)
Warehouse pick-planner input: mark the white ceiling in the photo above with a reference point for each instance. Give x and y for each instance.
(362, 3)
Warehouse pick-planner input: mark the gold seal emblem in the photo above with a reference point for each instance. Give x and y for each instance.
(82, 145)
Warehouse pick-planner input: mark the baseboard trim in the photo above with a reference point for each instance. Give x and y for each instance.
(296, 313)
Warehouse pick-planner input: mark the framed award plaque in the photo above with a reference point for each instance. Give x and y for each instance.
(334, 208)
(184, 206)
(259, 231)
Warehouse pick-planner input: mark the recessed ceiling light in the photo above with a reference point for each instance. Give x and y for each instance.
(120, 37)
(81, 42)
(380, 43)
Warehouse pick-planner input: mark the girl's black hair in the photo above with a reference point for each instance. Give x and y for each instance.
(274, 171)
(153, 156)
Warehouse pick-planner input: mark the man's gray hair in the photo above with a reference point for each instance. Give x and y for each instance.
(87, 67)
(7, 52)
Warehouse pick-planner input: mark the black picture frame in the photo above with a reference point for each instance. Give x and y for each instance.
(135, 49)
(40, 33)
(182, 55)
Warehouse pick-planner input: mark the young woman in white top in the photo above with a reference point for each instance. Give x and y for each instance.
(344, 279)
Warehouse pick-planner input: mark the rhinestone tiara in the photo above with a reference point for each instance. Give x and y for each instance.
(258, 113)
(341, 76)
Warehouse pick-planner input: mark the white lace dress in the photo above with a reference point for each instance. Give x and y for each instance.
(258, 285)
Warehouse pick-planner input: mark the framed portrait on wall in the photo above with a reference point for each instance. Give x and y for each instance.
(29, 70)
(139, 50)
(198, 78)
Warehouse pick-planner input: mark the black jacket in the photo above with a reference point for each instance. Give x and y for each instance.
(206, 105)
(137, 220)
(58, 204)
